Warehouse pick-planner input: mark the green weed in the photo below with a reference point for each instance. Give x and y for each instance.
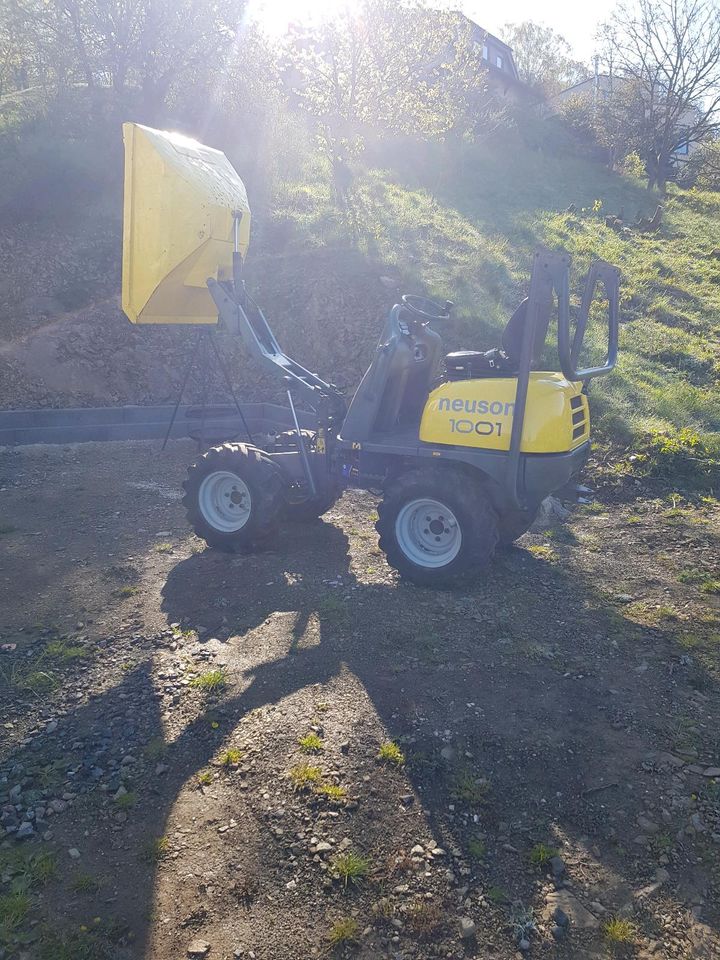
(156, 849)
(541, 855)
(332, 792)
(346, 930)
(310, 743)
(212, 681)
(350, 867)
(390, 752)
(126, 801)
(477, 848)
(619, 931)
(230, 757)
(304, 776)
(469, 788)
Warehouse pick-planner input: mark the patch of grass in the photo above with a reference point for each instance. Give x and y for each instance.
(648, 614)
(80, 945)
(126, 801)
(27, 869)
(497, 895)
(14, 908)
(332, 792)
(425, 917)
(155, 748)
(542, 552)
(390, 752)
(351, 867)
(85, 883)
(477, 848)
(128, 591)
(41, 683)
(304, 776)
(468, 787)
(541, 855)
(332, 609)
(346, 930)
(230, 757)
(310, 743)
(156, 849)
(67, 652)
(212, 681)
(618, 930)
(164, 547)
(592, 508)
(205, 778)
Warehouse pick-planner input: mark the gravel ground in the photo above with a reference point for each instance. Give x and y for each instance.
(529, 767)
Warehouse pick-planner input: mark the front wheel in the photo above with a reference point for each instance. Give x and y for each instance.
(233, 496)
(437, 527)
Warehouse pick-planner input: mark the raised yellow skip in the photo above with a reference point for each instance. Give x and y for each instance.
(479, 413)
(180, 197)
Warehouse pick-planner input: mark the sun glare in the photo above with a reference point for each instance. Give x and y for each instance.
(275, 16)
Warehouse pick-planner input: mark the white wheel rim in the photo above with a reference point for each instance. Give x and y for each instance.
(225, 502)
(428, 533)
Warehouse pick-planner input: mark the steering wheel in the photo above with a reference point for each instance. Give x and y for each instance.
(427, 309)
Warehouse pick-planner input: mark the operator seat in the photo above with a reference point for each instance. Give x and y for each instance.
(501, 361)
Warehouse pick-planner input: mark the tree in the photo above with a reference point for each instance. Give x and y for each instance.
(147, 45)
(543, 57)
(666, 55)
(399, 67)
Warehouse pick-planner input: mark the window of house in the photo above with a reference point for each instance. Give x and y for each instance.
(499, 62)
(682, 148)
(485, 51)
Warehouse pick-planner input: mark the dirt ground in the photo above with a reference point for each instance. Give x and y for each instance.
(550, 784)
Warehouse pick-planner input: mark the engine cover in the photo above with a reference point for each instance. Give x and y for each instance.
(479, 413)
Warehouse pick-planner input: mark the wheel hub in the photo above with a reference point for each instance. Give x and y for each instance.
(225, 502)
(428, 533)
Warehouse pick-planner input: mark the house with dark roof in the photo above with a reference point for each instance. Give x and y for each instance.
(503, 76)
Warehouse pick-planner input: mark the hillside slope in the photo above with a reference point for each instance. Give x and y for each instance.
(460, 224)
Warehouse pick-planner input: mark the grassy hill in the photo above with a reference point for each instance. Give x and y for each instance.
(459, 223)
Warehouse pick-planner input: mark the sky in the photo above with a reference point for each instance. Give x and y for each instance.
(576, 20)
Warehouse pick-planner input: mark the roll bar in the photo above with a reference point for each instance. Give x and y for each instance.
(609, 276)
(551, 274)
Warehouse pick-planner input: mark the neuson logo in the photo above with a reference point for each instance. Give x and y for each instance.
(483, 428)
(495, 407)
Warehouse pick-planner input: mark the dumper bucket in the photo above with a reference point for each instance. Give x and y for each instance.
(178, 221)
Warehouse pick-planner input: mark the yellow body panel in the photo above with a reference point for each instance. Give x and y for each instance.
(479, 413)
(177, 226)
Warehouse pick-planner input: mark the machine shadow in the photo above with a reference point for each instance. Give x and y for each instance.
(509, 664)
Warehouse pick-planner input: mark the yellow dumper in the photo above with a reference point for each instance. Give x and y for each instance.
(463, 446)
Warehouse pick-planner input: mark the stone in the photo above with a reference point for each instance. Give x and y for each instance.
(712, 772)
(468, 928)
(647, 825)
(569, 904)
(323, 847)
(524, 944)
(560, 917)
(558, 932)
(74, 853)
(448, 753)
(558, 866)
(25, 830)
(198, 948)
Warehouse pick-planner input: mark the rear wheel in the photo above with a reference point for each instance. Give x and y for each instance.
(437, 527)
(514, 524)
(233, 496)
